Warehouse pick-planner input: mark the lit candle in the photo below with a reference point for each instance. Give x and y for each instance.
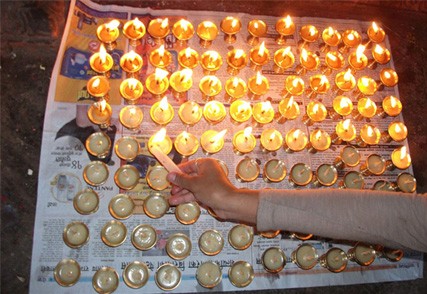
(67, 272)
(98, 87)
(388, 77)
(158, 29)
(400, 159)
(244, 141)
(98, 144)
(349, 156)
(305, 256)
(285, 27)
(95, 173)
(157, 83)
(273, 260)
(335, 260)
(342, 106)
(331, 37)
(375, 33)
(241, 236)
(212, 141)
(358, 60)
(136, 274)
(161, 141)
(367, 86)
(406, 183)
(187, 213)
(113, 233)
(391, 106)
(380, 55)
(369, 135)
(315, 112)
(105, 280)
(240, 111)
(108, 33)
(274, 171)
(131, 63)
(235, 88)
(256, 29)
(101, 61)
(210, 86)
(308, 34)
(162, 112)
(283, 59)
(326, 175)
(211, 242)
(190, 112)
(258, 85)
(294, 86)
(366, 108)
(319, 84)
(300, 175)
(214, 112)
(75, 234)
(207, 32)
(259, 56)
(180, 82)
(126, 177)
(308, 61)
(319, 141)
(263, 112)
(241, 274)
(344, 81)
(155, 206)
(353, 180)
(186, 144)
(127, 148)
(131, 90)
(333, 61)
(288, 110)
(363, 254)
(121, 206)
(209, 274)
(160, 57)
(144, 237)
(271, 140)
(397, 132)
(351, 39)
(134, 30)
(178, 246)
(210, 61)
(168, 277)
(230, 26)
(295, 140)
(183, 30)
(345, 131)
(374, 165)
(86, 202)
(131, 117)
(236, 60)
(188, 58)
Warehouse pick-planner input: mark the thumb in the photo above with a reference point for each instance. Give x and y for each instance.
(180, 179)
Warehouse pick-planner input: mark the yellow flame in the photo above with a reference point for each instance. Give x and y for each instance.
(317, 135)
(195, 108)
(102, 105)
(348, 75)
(359, 52)
(295, 82)
(316, 108)
(403, 153)
(235, 82)
(378, 49)
(214, 108)
(102, 53)
(296, 134)
(393, 101)
(259, 77)
(184, 24)
(234, 23)
(351, 36)
(165, 23)
(272, 136)
(344, 103)
(159, 136)
(290, 103)
(243, 107)
(208, 24)
(286, 51)
(368, 103)
(160, 74)
(219, 136)
(266, 106)
(161, 51)
(112, 25)
(323, 80)
(256, 25)
(331, 56)
(96, 83)
(370, 132)
(261, 49)
(163, 105)
(137, 24)
(212, 81)
(238, 53)
(304, 54)
(365, 81)
(132, 111)
(387, 75)
(311, 31)
(213, 56)
(185, 135)
(375, 27)
(247, 132)
(346, 124)
(131, 56)
(185, 74)
(288, 21)
(397, 128)
(331, 31)
(132, 83)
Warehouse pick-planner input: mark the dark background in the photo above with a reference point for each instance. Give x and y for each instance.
(30, 38)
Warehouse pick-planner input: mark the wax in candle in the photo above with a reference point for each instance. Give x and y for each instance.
(127, 148)
(157, 83)
(300, 174)
(105, 280)
(334, 60)
(397, 131)
(75, 234)
(161, 141)
(134, 30)
(160, 57)
(392, 106)
(357, 59)
(263, 112)
(207, 32)
(212, 141)
(236, 88)
(188, 58)
(181, 81)
(131, 89)
(131, 62)
(309, 33)
(351, 38)
(121, 206)
(258, 85)
(320, 140)
(274, 170)
(241, 274)
(168, 277)
(288, 109)
(100, 113)
(214, 112)
(136, 274)
(156, 178)
(380, 54)
(211, 242)
(375, 33)
(67, 272)
(178, 246)
(230, 26)
(353, 180)
(271, 139)
(190, 112)
(158, 28)
(294, 85)
(98, 144)
(86, 202)
(131, 117)
(101, 61)
(305, 256)
(316, 111)
(401, 158)
(240, 111)
(362, 254)
(259, 56)
(108, 32)
(256, 29)
(285, 27)
(331, 37)
(155, 206)
(209, 274)
(370, 134)
(98, 86)
(326, 174)
(247, 170)
(345, 130)
(406, 183)
(309, 60)
(183, 30)
(211, 61)
(186, 144)
(187, 213)
(283, 59)
(210, 86)
(295, 140)
(241, 237)
(95, 173)
(144, 237)
(273, 259)
(342, 105)
(114, 233)
(162, 112)
(389, 77)
(375, 164)
(244, 141)
(345, 81)
(334, 260)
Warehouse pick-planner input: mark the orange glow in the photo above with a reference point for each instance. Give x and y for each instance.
(266, 106)
(235, 82)
(184, 24)
(370, 132)
(350, 36)
(317, 135)
(161, 51)
(234, 23)
(304, 54)
(102, 105)
(375, 27)
(187, 52)
(238, 53)
(348, 75)
(393, 101)
(96, 83)
(378, 49)
(213, 56)
(311, 31)
(137, 24)
(331, 31)
(132, 83)
(185, 75)
(243, 107)
(344, 103)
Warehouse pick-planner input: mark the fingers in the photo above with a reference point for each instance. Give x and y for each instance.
(181, 198)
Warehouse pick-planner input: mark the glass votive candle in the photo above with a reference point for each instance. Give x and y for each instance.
(400, 159)
(113, 233)
(160, 57)
(144, 237)
(259, 56)
(131, 117)
(247, 170)
(186, 144)
(121, 206)
(294, 86)
(162, 112)
(188, 58)
(168, 277)
(98, 144)
(210, 61)
(127, 148)
(241, 274)
(180, 82)
(285, 27)
(309, 61)
(105, 280)
(190, 112)
(366, 108)
(126, 177)
(273, 260)
(271, 140)
(214, 112)
(344, 82)
(351, 39)
(342, 106)
(235, 88)
(207, 32)
(315, 112)
(274, 171)
(75, 234)
(236, 61)
(375, 165)
(230, 26)
(326, 175)
(212, 141)
(319, 141)
(397, 132)
(283, 59)
(380, 55)
(136, 274)
(362, 254)
(333, 61)
(375, 33)
(209, 274)
(352, 180)
(100, 113)
(95, 173)
(101, 62)
(67, 272)
(258, 85)
(210, 86)
(305, 256)
(369, 135)
(134, 30)
(388, 78)
(390, 106)
(240, 111)
(108, 33)
(157, 83)
(244, 141)
(131, 90)
(295, 140)
(183, 30)
(349, 156)
(406, 183)
(288, 110)
(319, 84)
(241, 236)
(256, 29)
(158, 29)
(86, 202)
(344, 131)
(156, 179)
(98, 87)
(263, 112)
(211, 242)
(331, 38)
(309, 34)
(358, 60)
(300, 174)
(335, 260)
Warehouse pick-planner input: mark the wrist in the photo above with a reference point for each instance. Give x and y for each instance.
(241, 205)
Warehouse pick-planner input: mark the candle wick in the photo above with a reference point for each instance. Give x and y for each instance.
(276, 167)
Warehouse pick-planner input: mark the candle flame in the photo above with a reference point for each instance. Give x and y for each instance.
(256, 25)
(286, 51)
(378, 49)
(365, 81)
(160, 74)
(96, 83)
(315, 108)
(132, 111)
(102, 105)
(213, 81)
(375, 27)
(161, 51)
(137, 24)
(131, 56)
(397, 128)
(370, 132)
(184, 24)
(208, 24)
(288, 21)
(387, 75)
(102, 53)
(344, 102)
(393, 101)
(243, 107)
(350, 36)
(295, 82)
(259, 77)
(195, 109)
(185, 75)
(272, 136)
(261, 49)
(165, 23)
(213, 56)
(187, 52)
(323, 80)
(311, 31)
(247, 131)
(368, 103)
(359, 52)
(235, 82)
(218, 136)
(304, 54)
(266, 106)
(346, 124)
(234, 23)
(112, 25)
(132, 82)
(331, 31)
(214, 108)
(348, 75)
(403, 153)
(238, 53)
(290, 102)
(163, 105)
(185, 135)
(296, 134)
(331, 56)
(159, 136)
(317, 135)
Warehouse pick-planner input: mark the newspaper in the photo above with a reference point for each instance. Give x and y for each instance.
(63, 157)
